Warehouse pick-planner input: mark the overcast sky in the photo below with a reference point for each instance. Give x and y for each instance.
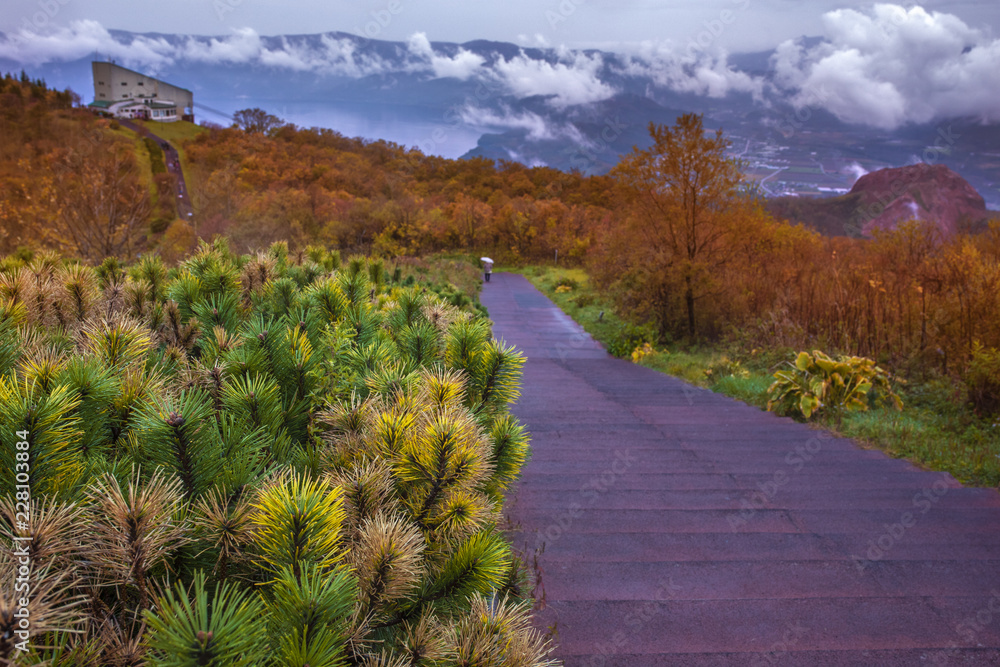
(741, 25)
(880, 64)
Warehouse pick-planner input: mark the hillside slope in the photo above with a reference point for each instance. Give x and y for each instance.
(885, 198)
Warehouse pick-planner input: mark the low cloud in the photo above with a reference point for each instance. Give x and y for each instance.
(242, 46)
(891, 66)
(856, 170)
(481, 117)
(341, 57)
(884, 67)
(537, 127)
(81, 40)
(575, 80)
(463, 65)
(697, 71)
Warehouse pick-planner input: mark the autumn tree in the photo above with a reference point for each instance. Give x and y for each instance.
(256, 121)
(681, 196)
(468, 217)
(98, 201)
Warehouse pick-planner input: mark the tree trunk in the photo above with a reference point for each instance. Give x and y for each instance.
(689, 301)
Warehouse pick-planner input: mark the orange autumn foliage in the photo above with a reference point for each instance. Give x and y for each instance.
(907, 297)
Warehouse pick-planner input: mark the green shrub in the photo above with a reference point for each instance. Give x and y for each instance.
(159, 225)
(726, 367)
(268, 465)
(817, 382)
(24, 253)
(567, 282)
(110, 271)
(156, 159)
(982, 379)
(627, 338)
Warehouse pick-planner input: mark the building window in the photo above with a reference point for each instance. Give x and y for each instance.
(100, 83)
(140, 84)
(124, 83)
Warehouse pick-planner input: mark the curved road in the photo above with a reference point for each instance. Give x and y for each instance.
(185, 211)
(673, 526)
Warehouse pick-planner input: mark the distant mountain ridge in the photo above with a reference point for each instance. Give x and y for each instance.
(562, 108)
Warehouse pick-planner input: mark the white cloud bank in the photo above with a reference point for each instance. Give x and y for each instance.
(575, 80)
(884, 67)
(482, 117)
(463, 65)
(537, 127)
(83, 39)
(80, 40)
(698, 71)
(891, 66)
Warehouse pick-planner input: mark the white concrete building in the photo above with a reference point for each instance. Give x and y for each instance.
(124, 93)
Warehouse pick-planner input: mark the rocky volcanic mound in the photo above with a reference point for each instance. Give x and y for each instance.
(932, 193)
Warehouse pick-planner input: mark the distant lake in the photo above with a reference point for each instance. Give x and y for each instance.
(405, 125)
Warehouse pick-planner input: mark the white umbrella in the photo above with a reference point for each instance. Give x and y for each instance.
(486, 259)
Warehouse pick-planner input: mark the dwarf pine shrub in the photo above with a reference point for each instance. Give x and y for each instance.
(258, 460)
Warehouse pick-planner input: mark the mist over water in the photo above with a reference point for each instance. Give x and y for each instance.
(404, 125)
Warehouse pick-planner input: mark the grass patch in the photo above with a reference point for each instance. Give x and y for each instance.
(596, 315)
(573, 292)
(177, 133)
(752, 389)
(935, 430)
(455, 278)
(143, 161)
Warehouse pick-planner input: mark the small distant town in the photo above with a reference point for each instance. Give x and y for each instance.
(825, 163)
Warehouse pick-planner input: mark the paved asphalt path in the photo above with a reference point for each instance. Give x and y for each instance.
(674, 526)
(185, 210)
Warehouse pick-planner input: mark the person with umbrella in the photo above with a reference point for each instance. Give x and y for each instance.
(487, 267)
